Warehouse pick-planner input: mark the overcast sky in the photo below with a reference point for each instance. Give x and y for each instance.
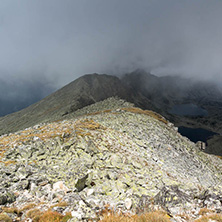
(55, 41)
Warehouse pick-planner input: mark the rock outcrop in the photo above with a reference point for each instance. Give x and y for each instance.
(122, 158)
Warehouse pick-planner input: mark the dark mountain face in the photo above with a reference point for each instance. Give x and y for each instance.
(168, 91)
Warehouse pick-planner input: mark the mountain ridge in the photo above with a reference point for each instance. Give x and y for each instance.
(143, 89)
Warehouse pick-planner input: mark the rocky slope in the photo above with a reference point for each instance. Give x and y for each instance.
(122, 157)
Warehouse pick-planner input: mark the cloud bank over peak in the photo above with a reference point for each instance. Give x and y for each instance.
(62, 40)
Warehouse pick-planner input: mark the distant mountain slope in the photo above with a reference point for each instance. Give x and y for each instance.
(169, 90)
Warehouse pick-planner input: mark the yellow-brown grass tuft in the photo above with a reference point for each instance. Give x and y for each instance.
(10, 210)
(51, 216)
(28, 207)
(214, 217)
(88, 124)
(5, 218)
(204, 211)
(99, 112)
(184, 216)
(8, 162)
(83, 127)
(34, 214)
(60, 204)
(66, 217)
(146, 112)
(156, 216)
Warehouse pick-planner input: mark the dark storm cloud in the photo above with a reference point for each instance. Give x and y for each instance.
(62, 40)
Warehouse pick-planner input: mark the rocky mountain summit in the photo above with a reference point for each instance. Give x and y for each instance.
(107, 155)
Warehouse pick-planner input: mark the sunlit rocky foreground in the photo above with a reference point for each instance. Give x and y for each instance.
(124, 159)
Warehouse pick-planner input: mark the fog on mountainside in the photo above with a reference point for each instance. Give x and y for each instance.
(17, 94)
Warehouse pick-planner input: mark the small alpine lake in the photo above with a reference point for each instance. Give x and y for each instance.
(196, 134)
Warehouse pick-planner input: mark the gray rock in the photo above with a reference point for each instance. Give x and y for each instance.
(7, 197)
(81, 183)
